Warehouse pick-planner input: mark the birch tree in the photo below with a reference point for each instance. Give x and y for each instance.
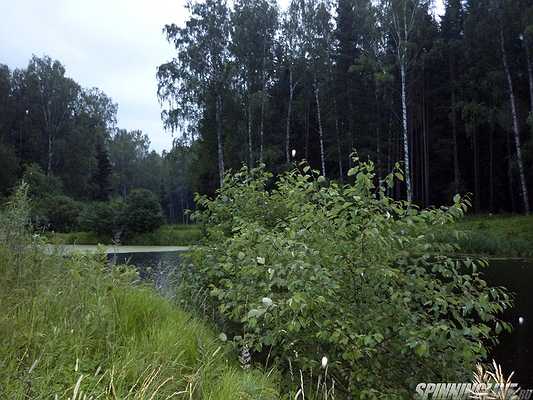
(516, 128)
(403, 14)
(293, 46)
(198, 76)
(54, 100)
(254, 27)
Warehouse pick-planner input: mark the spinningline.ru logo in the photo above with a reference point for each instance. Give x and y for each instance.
(460, 391)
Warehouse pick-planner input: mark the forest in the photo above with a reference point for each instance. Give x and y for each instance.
(64, 140)
(449, 96)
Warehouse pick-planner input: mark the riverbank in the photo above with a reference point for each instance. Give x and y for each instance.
(493, 235)
(167, 235)
(71, 326)
(68, 249)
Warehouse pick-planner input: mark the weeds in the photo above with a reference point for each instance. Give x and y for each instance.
(73, 328)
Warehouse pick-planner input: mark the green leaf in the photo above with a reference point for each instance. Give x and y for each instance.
(421, 349)
(255, 313)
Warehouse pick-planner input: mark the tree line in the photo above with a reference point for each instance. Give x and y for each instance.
(64, 138)
(449, 96)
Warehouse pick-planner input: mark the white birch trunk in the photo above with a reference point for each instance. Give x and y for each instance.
(218, 117)
(288, 125)
(338, 134)
(406, 157)
(261, 129)
(516, 130)
(250, 154)
(530, 77)
(320, 131)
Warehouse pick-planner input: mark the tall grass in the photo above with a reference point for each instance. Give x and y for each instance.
(493, 235)
(167, 235)
(71, 328)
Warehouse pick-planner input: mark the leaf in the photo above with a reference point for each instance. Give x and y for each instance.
(398, 176)
(267, 301)
(254, 312)
(421, 349)
(261, 260)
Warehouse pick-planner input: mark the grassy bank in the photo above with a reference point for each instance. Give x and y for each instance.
(494, 235)
(167, 235)
(70, 327)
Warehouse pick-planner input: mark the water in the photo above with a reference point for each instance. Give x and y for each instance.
(514, 352)
(160, 267)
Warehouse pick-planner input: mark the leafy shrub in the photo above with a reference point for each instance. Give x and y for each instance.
(9, 167)
(142, 212)
(167, 235)
(58, 212)
(40, 184)
(311, 269)
(103, 218)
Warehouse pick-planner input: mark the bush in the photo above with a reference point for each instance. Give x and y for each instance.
(142, 212)
(168, 235)
(103, 218)
(9, 168)
(57, 212)
(311, 269)
(40, 184)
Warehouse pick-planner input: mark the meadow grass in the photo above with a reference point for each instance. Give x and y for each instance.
(492, 235)
(72, 328)
(167, 235)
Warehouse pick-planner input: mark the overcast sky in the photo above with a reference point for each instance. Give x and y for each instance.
(115, 45)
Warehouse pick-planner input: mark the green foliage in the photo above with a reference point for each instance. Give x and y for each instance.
(101, 178)
(74, 322)
(311, 268)
(142, 212)
(9, 168)
(103, 218)
(15, 221)
(57, 212)
(504, 235)
(166, 235)
(40, 184)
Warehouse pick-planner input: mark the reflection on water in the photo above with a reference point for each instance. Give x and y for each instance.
(159, 267)
(515, 351)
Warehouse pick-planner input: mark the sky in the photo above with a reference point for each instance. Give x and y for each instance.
(115, 45)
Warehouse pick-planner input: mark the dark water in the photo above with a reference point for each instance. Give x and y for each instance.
(159, 267)
(514, 352)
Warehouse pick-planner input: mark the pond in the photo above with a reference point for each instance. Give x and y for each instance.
(157, 266)
(514, 352)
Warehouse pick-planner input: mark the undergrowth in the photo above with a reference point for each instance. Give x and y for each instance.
(73, 328)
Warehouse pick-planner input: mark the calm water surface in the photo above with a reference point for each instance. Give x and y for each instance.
(515, 351)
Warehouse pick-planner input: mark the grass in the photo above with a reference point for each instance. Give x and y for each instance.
(493, 235)
(73, 328)
(167, 235)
